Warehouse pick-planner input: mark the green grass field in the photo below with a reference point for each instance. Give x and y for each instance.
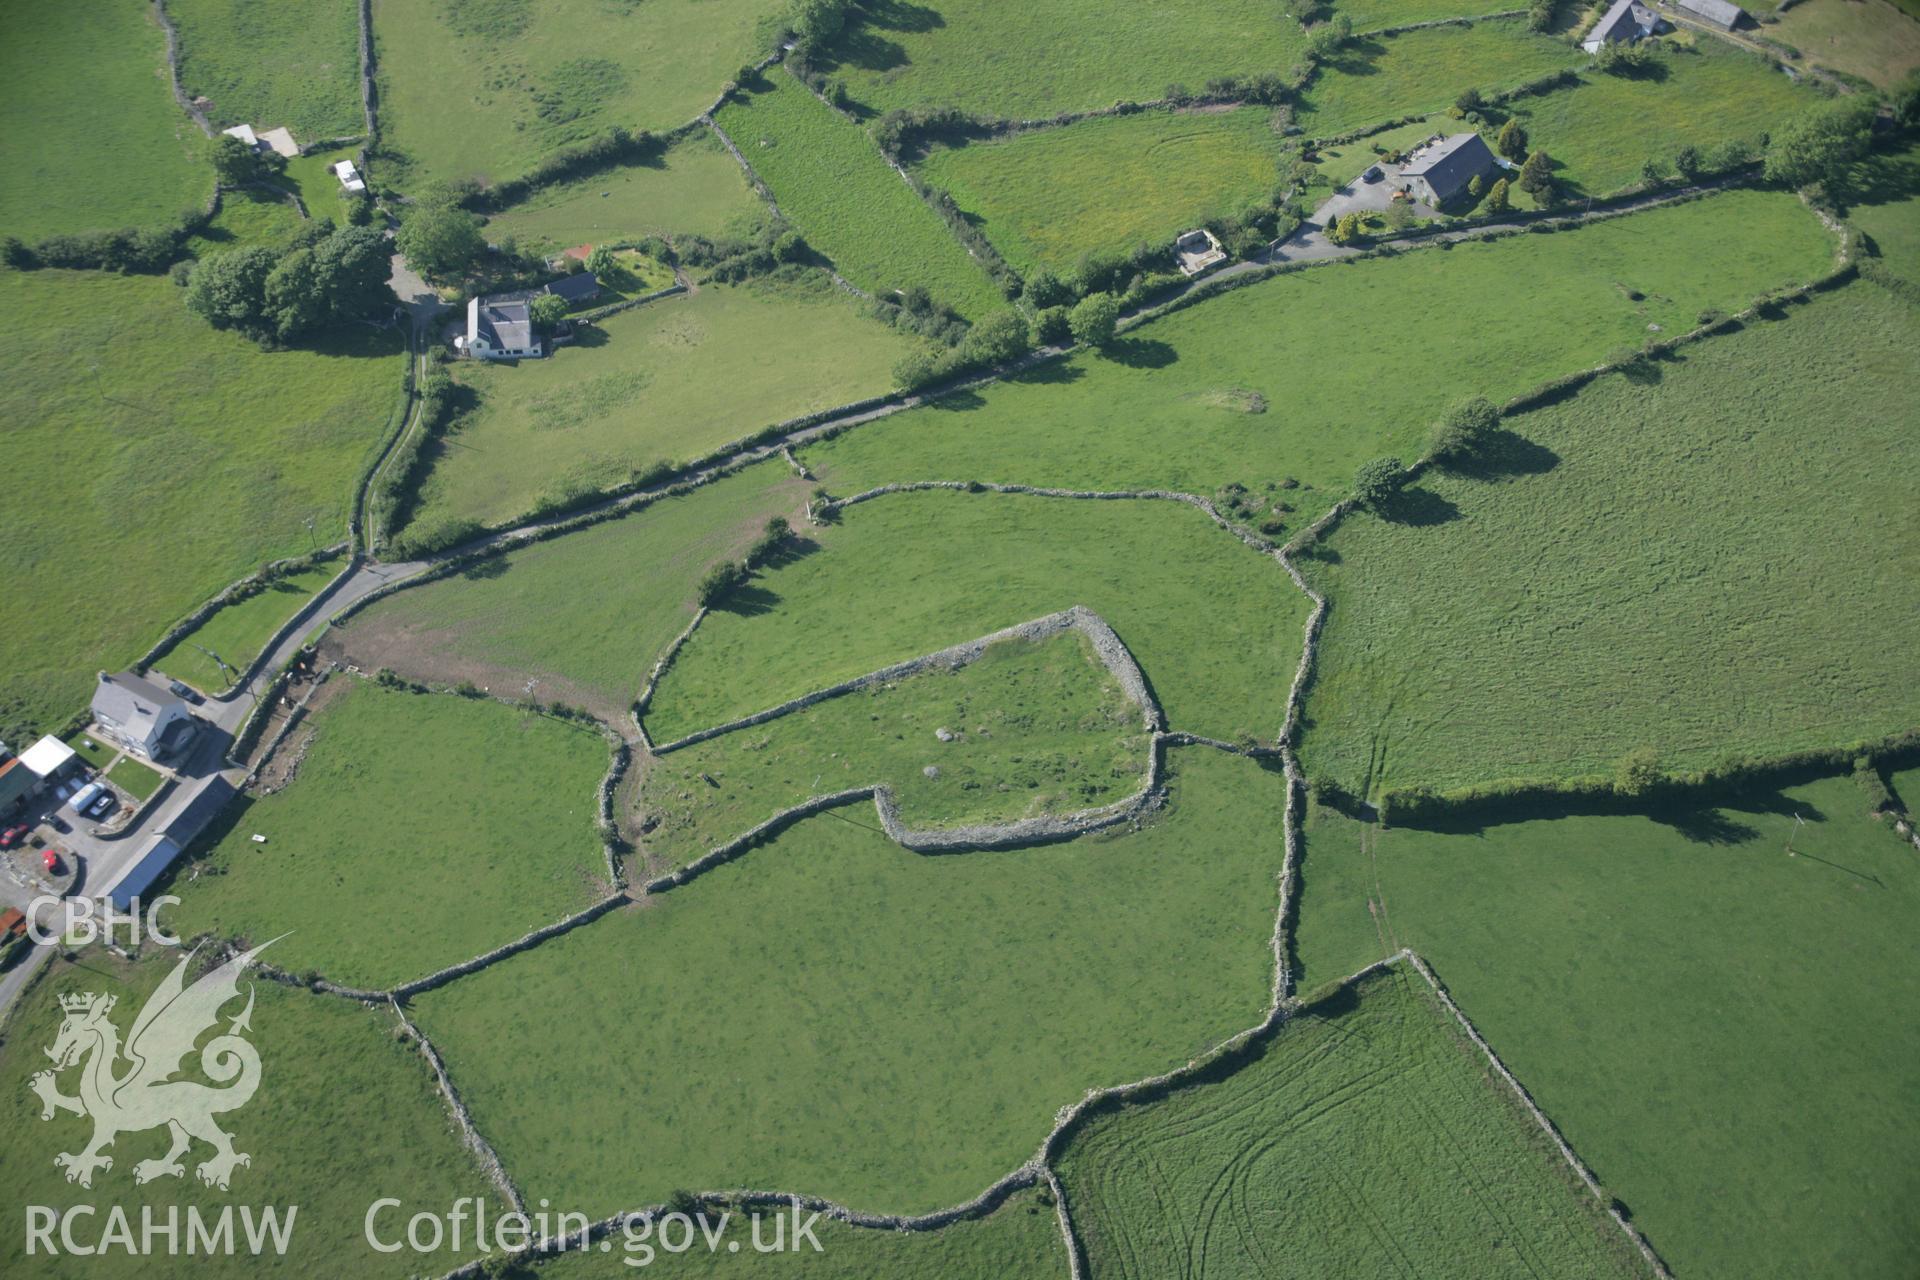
(1018, 1241)
(1040, 729)
(667, 382)
(1353, 361)
(167, 459)
(1378, 78)
(1886, 205)
(695, 187)
(346, 1112)
(1868, 38)
(420, 830)
(1368, 1137)
(1709, 1021)
(1034, 61)
(1046, 198)
(1711, 93)
(485, 91)
(831, 181)
(911, 573)
(1647, 565)
(239, 631)
(269, 63)
(835, 974)
(1376, 15)
(90, 137)
(572, 611)
(246, 219)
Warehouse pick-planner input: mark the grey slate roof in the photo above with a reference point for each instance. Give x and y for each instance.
(1626, 20)
(578, 287)
(1717, 11)
(132, 702)
(506, 326)
(1450, 164)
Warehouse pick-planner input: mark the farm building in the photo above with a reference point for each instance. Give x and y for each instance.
(142, 717)
(349, 177)
(1441, 169)
(279, 141)
(1626, 22)
(498, 329)
(16, 784)
(581, 286)
(50, 759)
(1715, 13)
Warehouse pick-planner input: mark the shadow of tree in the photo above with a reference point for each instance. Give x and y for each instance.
(1418, 508)
(1140, 353)
(1506, 454)
(748, 601)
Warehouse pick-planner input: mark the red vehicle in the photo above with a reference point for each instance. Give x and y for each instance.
(52, 860)
(12, 836)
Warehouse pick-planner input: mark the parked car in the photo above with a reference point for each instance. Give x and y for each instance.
(187, 691)
(52, 861)
(12, 836)
(102, 805)
(58, 823)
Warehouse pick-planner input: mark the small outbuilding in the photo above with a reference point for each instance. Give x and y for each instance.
(349, 177)
(280, 141)
(1196, 251)
(575, 289)
(1626, 22)
(1442, 168)
(1718, 14)
(50, 759)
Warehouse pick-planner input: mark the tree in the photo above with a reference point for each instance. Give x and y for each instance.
(1345, 230)
(1477, 186)
(236, 164)
(1652, 172)
(1046, 289)
(1469, 100)
(228, 290)
(351, 267)
(720, 582)
(1512, 142)
(1498, 199)
(440, 241)
(1399, 215)
(1327, 39)
(1818, 147)
(1050, 327)
(1536, 177)
(1637, 773)
(998, 339)
(601, 261)
(287, 294)
(547, 311)
(293, 301)
(817, 21)
(1465, 430)
(1094, 319)
(1376, 482)
(1687, 162)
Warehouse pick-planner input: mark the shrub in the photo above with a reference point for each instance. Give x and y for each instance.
(1536, 177)
(771, 539)
(1498, 199)
(1820, 145)
(1094, 319)
(1637, 773)
(1377, 481)
(547, 311)
(1512, 142)
(441, 241)
(1046, 289)
(1050, 327)
(1687, 162)
(1465, 430)
(1867, 774)
(720, 582)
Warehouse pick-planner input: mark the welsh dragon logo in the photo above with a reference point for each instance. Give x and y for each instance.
(143, 1094)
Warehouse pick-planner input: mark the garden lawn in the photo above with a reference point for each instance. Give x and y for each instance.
(668, 382)
(1645, 565)
(1351, 361)
(90, 137)
(694, 187)
(1036, 729)
(1380, 78)
(1710, 94)
(270, 63)
(1867, 38)
(830, 179)
(485, 91)
(239, 631)
(1018, 1241)
(419, 831)
(1368, 1136)
(836, 973)
(319, 186)
(136, 779)
(1215, 625)
(586, 613)
(1037, 60)
(1047, 197)
(1715, 1026)
(167, 459)
(1341, 164)
(346, 1112)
